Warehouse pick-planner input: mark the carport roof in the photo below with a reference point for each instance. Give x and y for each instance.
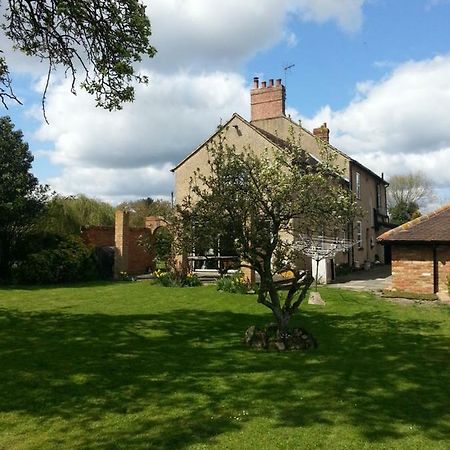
(432, 227)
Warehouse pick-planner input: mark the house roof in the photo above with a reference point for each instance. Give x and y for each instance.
(269, 137)
(277, 142)
(432, 227)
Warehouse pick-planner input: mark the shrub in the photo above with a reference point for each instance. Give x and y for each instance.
(236, 283)
(164, 278)
(172, 279)
(191, 280)
(66, 259)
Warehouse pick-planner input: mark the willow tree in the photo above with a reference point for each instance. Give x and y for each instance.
(264, 199)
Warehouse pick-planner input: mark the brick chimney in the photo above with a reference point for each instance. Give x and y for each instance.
(267, 101)
(323, 133)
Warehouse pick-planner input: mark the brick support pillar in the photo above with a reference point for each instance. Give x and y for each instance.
(121, 242)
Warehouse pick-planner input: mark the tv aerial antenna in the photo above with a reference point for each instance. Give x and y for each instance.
(286, 68)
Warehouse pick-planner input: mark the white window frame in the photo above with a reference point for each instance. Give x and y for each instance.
(379, 196)
(359, 234)
(358, 185)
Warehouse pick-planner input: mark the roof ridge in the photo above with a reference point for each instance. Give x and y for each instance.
(219, 130)
(413, 223)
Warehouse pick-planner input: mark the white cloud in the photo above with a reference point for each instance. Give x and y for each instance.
(115, 185)
(170, 117)
(222, 34)
(194, 82)
(347, 13)
(400, 123)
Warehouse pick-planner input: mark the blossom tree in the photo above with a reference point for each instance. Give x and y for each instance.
(263, 199)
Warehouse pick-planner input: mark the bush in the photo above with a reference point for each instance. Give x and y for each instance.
(65, 259)
(191, 280)
(170, 279)
(236, 283)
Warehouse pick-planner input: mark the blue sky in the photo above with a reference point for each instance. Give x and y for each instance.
(377, 71)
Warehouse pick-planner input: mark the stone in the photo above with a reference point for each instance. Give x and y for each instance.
(249, 334)
(280, 346)
(315, 299)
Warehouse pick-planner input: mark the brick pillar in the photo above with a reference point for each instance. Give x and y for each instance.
(121, 240)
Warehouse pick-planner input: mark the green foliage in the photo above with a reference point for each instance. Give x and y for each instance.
(66, 215)
(263, 199)
(190, 280)
(406, 194)
(68, 259)
(103, 39)
(403, 212)
(176, 279)
(145, 207)
(236, 283)
(22, 198)
(160, 247)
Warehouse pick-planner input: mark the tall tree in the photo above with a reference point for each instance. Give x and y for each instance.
(145, 207)
(101, 38)
(66, 215)
(22, 198)
(264, 200)
(407, 194)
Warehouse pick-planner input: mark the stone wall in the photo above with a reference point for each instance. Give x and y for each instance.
(412, 267)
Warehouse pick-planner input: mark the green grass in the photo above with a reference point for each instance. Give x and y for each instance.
(135, 366)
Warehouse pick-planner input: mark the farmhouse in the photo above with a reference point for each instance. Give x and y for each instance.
(269, 127)
(421, 253)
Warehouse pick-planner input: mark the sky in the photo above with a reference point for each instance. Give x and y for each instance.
(377, 71)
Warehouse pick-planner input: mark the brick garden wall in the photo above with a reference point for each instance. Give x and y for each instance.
(138, 260)
(98, 236)
(412, 268)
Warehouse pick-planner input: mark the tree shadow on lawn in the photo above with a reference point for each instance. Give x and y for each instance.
(76, 284)
(183, 375)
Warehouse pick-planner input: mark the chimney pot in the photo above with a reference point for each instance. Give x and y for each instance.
(255, 83)
(267, 102)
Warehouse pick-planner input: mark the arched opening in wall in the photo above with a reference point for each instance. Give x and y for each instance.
(162, 243)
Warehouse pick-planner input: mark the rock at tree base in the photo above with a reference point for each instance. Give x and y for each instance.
(315, 299)
(268, 338)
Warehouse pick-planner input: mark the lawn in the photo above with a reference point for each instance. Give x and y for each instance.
(135, 366)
